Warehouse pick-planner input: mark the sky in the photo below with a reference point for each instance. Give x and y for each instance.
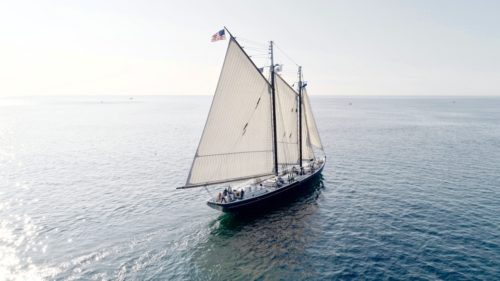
(438, 47)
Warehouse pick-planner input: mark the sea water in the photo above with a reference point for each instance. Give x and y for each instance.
(411, 190)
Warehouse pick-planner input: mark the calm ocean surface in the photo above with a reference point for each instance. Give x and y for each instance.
(411, 190)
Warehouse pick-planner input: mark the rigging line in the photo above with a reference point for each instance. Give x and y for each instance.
(287, 70)
(253, 53)
(286, 74)
(285, 54)
(251, 41)
(253, 48)
(259, 51)
(258, 55)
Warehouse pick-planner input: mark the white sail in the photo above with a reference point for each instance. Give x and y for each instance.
(237, 142)
(287, 122)
(307, 149)
(313, 133)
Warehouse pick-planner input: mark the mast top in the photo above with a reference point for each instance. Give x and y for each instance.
(228, 32)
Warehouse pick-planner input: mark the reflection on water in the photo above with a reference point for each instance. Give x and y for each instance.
(20, 244)
(276, 236)
(87, 192)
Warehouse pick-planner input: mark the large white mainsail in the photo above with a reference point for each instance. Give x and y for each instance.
(286, 120)
(237, 142)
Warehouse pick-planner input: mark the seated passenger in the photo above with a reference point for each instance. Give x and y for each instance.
(280, 180)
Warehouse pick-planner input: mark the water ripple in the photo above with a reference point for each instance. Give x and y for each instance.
(410, 191)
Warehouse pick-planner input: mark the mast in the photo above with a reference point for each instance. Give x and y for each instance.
(300, 117)
(273, 96)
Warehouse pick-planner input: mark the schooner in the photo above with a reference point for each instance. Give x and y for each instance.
(260, 140)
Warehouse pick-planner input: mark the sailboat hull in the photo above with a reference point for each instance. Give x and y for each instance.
(268, 199)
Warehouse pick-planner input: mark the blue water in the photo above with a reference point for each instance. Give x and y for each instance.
(411, 190)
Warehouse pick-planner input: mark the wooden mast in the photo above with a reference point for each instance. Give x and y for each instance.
(273, 95)
(300, 117)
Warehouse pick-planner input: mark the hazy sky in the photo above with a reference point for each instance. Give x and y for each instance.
(163, 47)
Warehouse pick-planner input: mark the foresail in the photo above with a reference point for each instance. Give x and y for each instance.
(237, 141)
(311, 122)
(287, 122)
(307, 149)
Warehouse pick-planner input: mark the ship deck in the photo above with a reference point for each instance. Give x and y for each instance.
(231, 198)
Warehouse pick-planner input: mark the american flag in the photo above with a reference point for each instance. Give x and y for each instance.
(221, 35)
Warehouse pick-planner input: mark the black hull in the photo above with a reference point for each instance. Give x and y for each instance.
(269, 199)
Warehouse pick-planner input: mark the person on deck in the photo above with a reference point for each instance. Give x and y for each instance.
(280, 181)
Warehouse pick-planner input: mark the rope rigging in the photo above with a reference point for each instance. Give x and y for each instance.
(260, 52)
